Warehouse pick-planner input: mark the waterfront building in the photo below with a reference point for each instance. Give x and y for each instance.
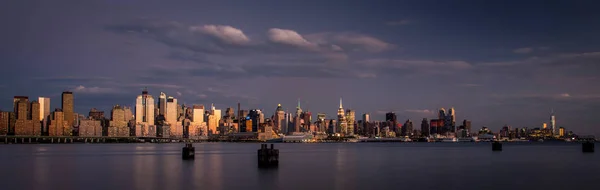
(144, 109)
(27, 114)
(407, 129)
(279, 119)
(170, 113)
(561, 132)
(119, 123)
(467, 126)
(391, 120)
(96, 114)
(57, 124)
(5, 120)
(341, 120)
(44, 108)
(68, 111)
(350, 122)
(425, 130)
(553, 122)
(162, 104)
(90, 127)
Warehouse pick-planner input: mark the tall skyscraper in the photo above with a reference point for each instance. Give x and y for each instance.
(44, 108)
(425, 130)
(407, 128)
(171, 111)
(451, 120)
(279, 119)
(144, 109)
(553, 122)
(198, 114)
(391, 120)
(341, 120)
(67, 108)
(162, 104)
(350, 122)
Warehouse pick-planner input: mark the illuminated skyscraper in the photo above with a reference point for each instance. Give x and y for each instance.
(144, 109)
(553, 122)
(44, 108)
(341, 122)
(350, 122)
(67, 108)
(279, 119)
(162, 104)
(170, 112)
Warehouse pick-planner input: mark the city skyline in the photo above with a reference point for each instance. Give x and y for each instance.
(496, 67)
(148, 98)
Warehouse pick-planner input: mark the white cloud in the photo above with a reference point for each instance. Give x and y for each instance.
(398, 22)
(202, 96)
(178, 93)
(524, 50)
(289, 37)
(92, 90)
(365, 42)
(227, 34)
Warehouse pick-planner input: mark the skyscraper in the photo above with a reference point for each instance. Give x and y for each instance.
(171, 111)
(391, 120)
(350, 122)
(162, 104)
(407, 128)
(67, 108)
(553, 122)
(144, 109)
(279, 119)
(44, 108)
(425, 130)
(341, 120)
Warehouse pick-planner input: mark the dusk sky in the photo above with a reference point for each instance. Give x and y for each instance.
(496, 62)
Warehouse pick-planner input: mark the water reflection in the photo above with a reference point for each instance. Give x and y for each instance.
(144, 172)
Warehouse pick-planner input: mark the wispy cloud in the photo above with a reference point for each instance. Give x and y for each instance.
(93, 90)
(524, 50)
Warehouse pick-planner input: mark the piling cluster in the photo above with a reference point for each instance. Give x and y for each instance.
(188, 152)
(268, 157)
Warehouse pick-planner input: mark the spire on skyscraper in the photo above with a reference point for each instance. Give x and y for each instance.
(298, 103)
(341, 103)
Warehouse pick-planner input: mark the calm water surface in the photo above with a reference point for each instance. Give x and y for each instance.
(302, 166)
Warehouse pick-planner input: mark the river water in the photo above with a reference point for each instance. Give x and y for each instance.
(302, 166)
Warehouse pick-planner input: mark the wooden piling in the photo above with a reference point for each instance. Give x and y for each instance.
(496, 146)
(587, 147)
(268, 157)
(188, 152)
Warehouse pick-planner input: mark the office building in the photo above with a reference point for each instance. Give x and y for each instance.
(350, 122)
(57, 125)
(144, 109)
(407, 129)
(96, 114)
(90, 127)
(425, 130)
(68, 110)
(342, 126)
(44, 108)
(279, 120)
(119, 123)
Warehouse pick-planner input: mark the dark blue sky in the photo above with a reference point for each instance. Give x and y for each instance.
(495, 62)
